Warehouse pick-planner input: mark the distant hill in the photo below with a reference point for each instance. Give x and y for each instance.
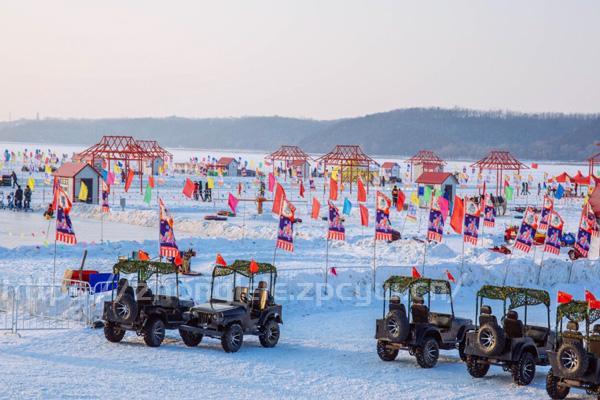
(453, 133)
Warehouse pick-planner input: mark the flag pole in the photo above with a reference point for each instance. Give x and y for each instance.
(326, 263)
(374, 261)
(541, 262)
(54, 264)
(508, 265)
(462, 261)
(424, 257)
(102, 228)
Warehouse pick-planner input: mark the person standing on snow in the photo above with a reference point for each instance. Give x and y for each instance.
(395, 196)
(27, 195)
(13, 178)
(19, 198)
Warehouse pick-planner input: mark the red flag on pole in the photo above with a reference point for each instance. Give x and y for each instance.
(364, 215)
(589, 296)
(362, 193)
(278, 199)
(129, 180)
(458, 214)
(143, 256)
(151, 181)
(220, 261)
(564, 298)
(333, 271)
(188, 188)
(316, 207)
(333, 189)
(301, 189)
(450, 277)
(401, 199)
(253, 267)
(415, 273)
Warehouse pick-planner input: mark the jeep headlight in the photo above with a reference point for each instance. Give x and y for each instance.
(218, 317)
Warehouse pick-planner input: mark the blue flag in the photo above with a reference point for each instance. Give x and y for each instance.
(347, 206)
(560, 191)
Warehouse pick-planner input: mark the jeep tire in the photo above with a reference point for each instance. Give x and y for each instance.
(475, 369)
(269, 335)
(232, 338)
(523, 371)
(572, 360)
(154, 332)
(428, 353)
(384, 352)
(490, 339)
(555, 391)
(396, 326)
(113, 333)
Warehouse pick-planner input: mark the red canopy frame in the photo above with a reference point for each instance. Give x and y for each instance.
(288, 154)
(350, 156)
(499, 161)
(429, 161)
(118, 148)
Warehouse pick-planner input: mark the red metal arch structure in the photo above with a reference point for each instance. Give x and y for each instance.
(117, 148)
(428, 160)
(348, 156)
(288, 154)
(154, 151)
(499, 161)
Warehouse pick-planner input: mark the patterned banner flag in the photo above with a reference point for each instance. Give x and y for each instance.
(411, 213)
(471, 228)
(105, 193)
(64, 227)
(489, 212)
(586, 227)
(168, 246)
(285, 234)
(524, 240)
(435, 229)
(546, 211)
(383, 228)
(554, 233)
(336, 229)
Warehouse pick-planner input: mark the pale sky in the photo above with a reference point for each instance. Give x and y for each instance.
(307, 58)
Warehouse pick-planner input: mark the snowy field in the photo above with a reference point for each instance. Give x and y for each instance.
(327, 349)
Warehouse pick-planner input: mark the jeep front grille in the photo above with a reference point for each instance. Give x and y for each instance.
(204, 318)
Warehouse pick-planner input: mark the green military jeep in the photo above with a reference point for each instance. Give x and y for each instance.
(421, 332)
(512, 344)
(575, 358)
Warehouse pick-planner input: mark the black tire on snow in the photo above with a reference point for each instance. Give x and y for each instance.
(124, 308)
(270, 334)
(490, 339)
(190, 339)
(232, 338)
(397, 326)
(555, 391)
(384, 352)
(475, 369)
(154, 332)
(572, 360)
(113, 333)
(427, 355)
(523, 371)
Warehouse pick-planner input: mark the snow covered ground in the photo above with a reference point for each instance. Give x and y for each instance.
(327, 348)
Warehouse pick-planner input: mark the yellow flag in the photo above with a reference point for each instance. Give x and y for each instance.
(210, 183)
(83, 192)
(31, 183)
(117, 169)
(48, 169)
(414, 198)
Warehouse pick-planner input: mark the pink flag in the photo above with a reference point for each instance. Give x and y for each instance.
(110, 178)
(271, 182)
(444, 207)
(232, 202)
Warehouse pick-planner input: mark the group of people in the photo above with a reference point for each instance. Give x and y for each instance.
(18, 200)
(200, 193)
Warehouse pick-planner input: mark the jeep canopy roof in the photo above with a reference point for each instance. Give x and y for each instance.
(577, 311)
(242, 267)
(518, 297)
(144, 268)
(419, 287)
